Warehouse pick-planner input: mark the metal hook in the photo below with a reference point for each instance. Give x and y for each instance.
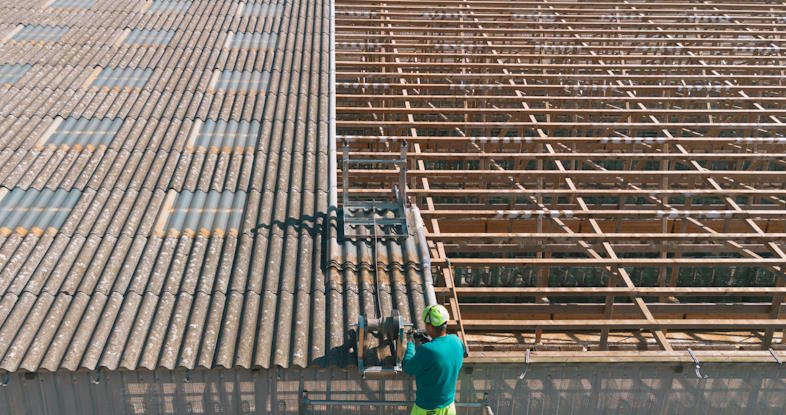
(775, 356)
(486, 404)
(526, 365)
(698, 365)
(188, 376)
(96, 380)
(6, 378)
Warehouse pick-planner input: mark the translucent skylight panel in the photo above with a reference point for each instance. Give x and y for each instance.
(149, 37)
(206, 212)
(31, 208)
(228, 134)
(122, 77)
(249, 40)
(169, 6)
(242, 80)
(72, 4)
(86, 131)
(40, 33)
(9, 74)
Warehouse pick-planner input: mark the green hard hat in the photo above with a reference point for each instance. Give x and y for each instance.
(436, 315)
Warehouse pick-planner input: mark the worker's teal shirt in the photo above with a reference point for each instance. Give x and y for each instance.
(435, 367)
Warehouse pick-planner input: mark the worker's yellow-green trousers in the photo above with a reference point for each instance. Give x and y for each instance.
(448, 410)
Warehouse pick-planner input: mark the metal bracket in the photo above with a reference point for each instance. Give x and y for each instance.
(362, 212)
(6, 379)
(526, 366)
(188, 376)
(775, 356)
(485, 402)
(97, 379)
(698, 365)
(305, 402)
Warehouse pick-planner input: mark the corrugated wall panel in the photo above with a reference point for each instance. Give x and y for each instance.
(546, 389)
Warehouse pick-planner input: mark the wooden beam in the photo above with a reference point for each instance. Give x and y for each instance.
(506, 292)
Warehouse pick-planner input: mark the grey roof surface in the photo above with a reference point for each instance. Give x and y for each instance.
(163, 190)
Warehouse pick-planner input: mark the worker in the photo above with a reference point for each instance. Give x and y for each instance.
(435, 365)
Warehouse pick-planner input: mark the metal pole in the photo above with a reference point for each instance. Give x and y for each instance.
(431, 297)
(402, 176)
(345, 181)
(483, 404)
(330, 402)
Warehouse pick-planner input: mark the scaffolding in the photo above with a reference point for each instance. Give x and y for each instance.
(598, 180)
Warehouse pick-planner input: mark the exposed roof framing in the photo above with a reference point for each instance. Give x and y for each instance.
(598, 176)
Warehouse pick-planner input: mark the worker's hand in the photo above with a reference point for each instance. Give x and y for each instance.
(412, 338)
(417, 338)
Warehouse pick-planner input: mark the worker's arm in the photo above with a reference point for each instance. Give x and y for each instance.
(414, 363)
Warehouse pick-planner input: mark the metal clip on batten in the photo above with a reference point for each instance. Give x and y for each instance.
(698, 365)
(775, 356)
(526, 366)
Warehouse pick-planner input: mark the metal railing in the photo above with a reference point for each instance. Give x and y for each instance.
(307, 403)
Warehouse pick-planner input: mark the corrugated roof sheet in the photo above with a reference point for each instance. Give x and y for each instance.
(164, 203)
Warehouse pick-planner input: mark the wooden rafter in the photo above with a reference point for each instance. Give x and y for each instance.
(626, 161)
